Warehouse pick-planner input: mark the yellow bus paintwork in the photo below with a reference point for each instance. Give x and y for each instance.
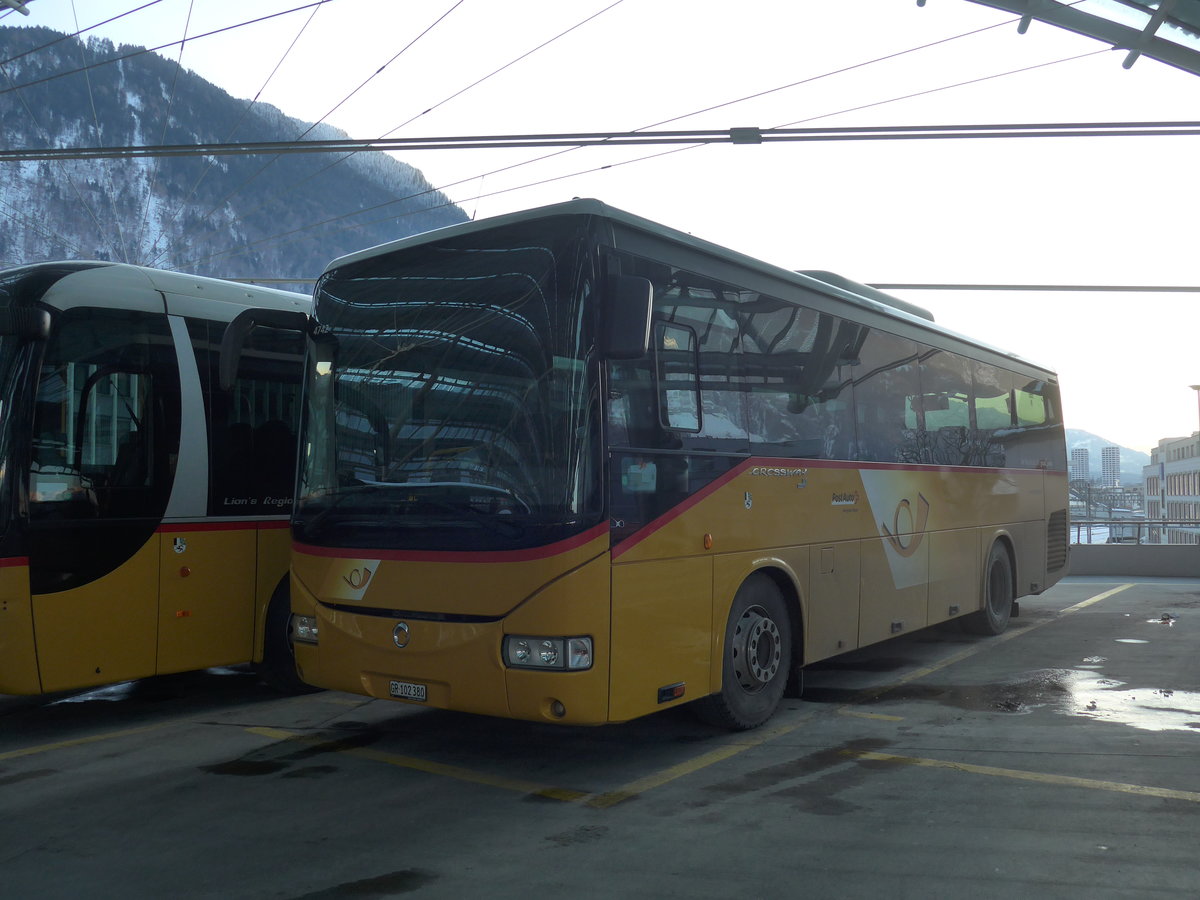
(863, 551)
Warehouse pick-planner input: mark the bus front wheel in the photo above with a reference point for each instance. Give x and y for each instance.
(278, 668)
(998, 595)
(756, 659)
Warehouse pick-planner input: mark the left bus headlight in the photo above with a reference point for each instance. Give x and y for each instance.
(523, 651)
(305, 630)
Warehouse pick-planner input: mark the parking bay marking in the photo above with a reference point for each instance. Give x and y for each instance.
(608, 799)
(1020, 775)
(77, 742)
(458, 773)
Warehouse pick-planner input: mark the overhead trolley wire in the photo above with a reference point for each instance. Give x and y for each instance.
(572, 148)
(626, 138)
(144, 50)
(153, 257)
(66, 37)
(359, 212)
(442, 102)
(166, 124)
(112, 199)
(220, 203)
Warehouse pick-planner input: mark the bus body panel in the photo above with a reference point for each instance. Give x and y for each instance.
(459, 662)
(274, 552)
(103, 631)
(913, 452)
(120, 410)
(575, 605)
(893, 590)
(832, 612)
(954, 573)
(18, 653)
(206, 595)
(662, 617)
(433, 582)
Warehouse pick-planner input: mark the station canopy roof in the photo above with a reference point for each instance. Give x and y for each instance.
(1166, 30)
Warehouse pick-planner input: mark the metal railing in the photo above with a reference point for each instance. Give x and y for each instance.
(1135, 531)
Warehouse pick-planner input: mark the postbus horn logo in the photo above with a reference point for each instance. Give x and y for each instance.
(358, 578)
(918, 522)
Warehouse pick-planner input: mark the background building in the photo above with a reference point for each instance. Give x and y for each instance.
(1081, 469)
(1110, 467)
(1172, 491)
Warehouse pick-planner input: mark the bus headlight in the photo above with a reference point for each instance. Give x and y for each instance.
(304, 629)
(561, 653)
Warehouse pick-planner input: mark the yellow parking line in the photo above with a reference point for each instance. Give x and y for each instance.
(843, 711)
(423, 765)
(638, 786)
(1090, 600)
(77, 742)
(658, 779)
(1039, 777)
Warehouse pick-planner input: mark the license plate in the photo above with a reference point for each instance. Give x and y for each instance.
(406, 690)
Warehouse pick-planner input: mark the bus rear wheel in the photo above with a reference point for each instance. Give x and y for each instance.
(998, 595)
(756, 659)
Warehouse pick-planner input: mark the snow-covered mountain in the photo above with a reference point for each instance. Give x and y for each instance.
(231, 216)
(1132, 461)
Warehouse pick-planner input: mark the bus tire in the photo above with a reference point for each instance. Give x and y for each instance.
(756, 659)
(998, 595)
(278, 667)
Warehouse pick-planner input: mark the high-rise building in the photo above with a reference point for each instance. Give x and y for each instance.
(1110, 466)
(1081, 469)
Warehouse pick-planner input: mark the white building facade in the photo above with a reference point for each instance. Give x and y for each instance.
(1172, 491)
(1080, 467)
(1110, 466)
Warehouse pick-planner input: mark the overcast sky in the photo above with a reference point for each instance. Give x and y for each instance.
(1111, 211)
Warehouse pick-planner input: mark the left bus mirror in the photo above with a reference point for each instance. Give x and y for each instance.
(25, 322)
(626, 326)
(242, 324)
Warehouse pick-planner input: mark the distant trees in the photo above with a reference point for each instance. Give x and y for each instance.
(234, 216)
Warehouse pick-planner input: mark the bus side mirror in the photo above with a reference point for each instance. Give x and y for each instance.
(243, 323)
(626, 317)
(25, 322)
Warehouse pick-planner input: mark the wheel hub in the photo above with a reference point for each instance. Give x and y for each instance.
(757, 649)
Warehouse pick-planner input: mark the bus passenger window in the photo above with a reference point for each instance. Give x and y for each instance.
(677, 367)
(946, 401)
(887, 377)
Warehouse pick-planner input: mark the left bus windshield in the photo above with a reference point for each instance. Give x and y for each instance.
(13, 357)
(460, 408)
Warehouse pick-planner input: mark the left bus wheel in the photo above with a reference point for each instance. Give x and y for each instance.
(756, 660)
(278, 668)
(998, 595)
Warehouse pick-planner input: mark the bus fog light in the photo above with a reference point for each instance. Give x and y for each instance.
(579, 653)
(304, 629)
(555, 653)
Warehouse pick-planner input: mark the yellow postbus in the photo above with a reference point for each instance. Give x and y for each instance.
(144, 511)
(569, 465)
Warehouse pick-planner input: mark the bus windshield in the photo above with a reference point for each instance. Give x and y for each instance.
(458, 407)
(13, 360)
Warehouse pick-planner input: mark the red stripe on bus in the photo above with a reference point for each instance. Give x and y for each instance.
(680, 508)
(787, 462)
(792, 462)
(464, 556)
(243, 525)
(11, 561)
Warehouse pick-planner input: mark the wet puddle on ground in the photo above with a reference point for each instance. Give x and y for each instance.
(1083, 692)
